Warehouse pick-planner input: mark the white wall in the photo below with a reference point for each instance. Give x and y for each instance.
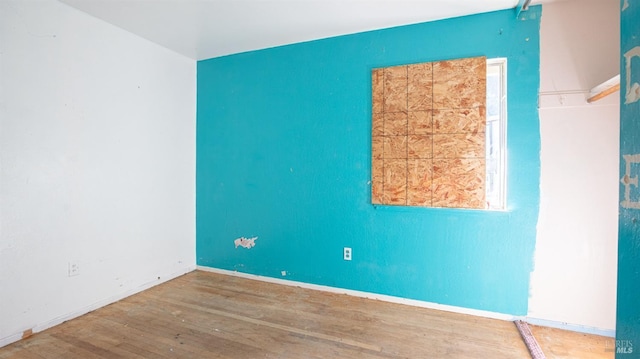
(97, 158)
(574, 280)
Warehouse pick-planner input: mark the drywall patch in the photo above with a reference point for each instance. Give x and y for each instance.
(245, 242)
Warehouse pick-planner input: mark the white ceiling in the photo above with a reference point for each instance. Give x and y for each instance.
(201, 29)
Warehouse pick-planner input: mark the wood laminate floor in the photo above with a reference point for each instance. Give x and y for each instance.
(207, 315)
(562, 344)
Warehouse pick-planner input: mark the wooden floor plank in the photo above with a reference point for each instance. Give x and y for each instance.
(562, 344)
(207, 315)
(364, 318)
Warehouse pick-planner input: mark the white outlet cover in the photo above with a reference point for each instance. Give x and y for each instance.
(74, 269)
(347, 253)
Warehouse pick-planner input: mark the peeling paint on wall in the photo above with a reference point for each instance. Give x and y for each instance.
(245, 242)
(633, 90)
(627, 181)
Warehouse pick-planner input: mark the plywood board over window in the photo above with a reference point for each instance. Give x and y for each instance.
(428, 134)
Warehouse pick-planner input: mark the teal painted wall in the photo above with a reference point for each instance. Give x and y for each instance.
(283, 153)
(628, 305)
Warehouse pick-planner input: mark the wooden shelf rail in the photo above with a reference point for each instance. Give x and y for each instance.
(604, 89)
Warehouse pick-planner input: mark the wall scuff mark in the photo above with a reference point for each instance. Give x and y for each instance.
(245, 242)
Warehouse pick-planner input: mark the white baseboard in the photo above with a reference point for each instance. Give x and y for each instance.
(571, 327)
(387, 298)
(61, 319)
(418, 303)
(10, 339)
(356, 293)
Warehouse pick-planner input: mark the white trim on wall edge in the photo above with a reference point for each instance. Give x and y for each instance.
(356, 293)
(571, 327)
(63, 318)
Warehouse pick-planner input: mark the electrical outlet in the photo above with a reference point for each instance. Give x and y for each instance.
(74, 269)
(347, 253)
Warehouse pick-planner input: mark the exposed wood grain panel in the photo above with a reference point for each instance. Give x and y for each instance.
(429, 110)
(420, 123)
(207, 315)
(377, 90)
(419, 182)
(377, 124)
(377, 180)
(419, 146)
(420, 87)
(395, 147)
(459, 145)
(459, 183)
(377, 147)
(395, 89)
(459, 120)
(395, 123)
(460, 83)
(395, 182)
